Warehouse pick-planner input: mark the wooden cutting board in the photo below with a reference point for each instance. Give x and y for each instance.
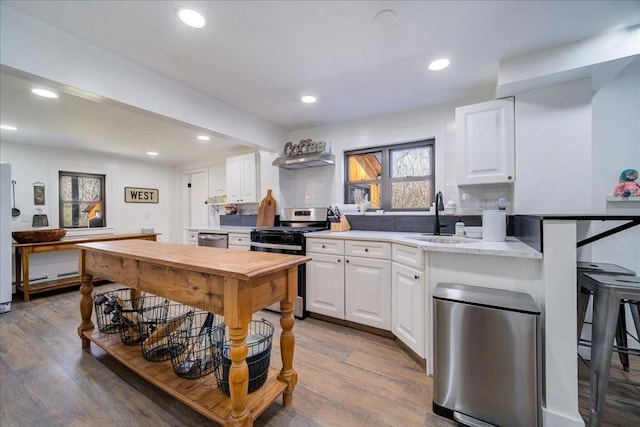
(266, 211)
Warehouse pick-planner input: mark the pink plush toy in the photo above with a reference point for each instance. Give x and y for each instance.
(628, 186)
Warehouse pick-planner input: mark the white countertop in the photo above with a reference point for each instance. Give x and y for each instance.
(223, 230)
(512, 247)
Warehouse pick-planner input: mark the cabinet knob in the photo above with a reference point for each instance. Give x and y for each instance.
(339, 260)
(416, 277)
(366, 249)
(347, 261)
(509, 177)
(323, 246)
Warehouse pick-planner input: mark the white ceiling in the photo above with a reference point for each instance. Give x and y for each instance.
(261, 56)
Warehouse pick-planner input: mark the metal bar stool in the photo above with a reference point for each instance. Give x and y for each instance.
(584, 293)
(608, 291)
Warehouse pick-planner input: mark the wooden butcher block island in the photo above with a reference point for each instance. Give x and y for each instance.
(231, 283)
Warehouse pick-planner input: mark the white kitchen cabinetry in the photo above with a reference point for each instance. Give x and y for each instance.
(325, 277)
(485, 143)
(242, 179)
(350, 280)
(408, 320)
(325, 284)
(191, 237)
(240, 241)
(368, 283)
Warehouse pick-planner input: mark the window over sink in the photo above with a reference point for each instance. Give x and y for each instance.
(397, 177)
(82, 200)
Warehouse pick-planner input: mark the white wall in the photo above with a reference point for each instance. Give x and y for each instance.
(31, 163)
(553, 149)
(322, 186)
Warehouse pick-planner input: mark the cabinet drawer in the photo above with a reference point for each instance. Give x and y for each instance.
(325, 246)
(408, 255)
(367, 249)
(239, 239)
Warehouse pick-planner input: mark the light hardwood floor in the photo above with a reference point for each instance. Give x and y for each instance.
(346, 378)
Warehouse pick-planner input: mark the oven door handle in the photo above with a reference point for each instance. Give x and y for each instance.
(276, 246)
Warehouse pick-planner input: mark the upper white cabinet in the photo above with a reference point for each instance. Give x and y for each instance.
(485, 143)
(242, 179)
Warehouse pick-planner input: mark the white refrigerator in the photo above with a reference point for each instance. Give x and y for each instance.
(5, 237)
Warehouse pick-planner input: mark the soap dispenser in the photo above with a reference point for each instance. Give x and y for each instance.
(459, 227)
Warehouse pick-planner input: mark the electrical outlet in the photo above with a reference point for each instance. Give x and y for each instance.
(25, 218)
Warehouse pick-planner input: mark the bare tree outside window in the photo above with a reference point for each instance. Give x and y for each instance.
(82, 200)
(393, 177)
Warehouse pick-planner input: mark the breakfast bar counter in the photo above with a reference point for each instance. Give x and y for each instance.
(226, 282)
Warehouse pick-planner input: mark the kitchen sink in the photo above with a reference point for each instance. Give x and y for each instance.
(445, 240)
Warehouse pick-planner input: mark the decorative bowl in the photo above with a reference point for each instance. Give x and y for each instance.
(39, 236)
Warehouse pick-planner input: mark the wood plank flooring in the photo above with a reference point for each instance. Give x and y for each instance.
(346, 378)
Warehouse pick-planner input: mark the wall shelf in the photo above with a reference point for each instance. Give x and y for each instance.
(623, 199)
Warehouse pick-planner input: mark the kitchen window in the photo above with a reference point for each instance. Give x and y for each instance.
(82, 201)
(393, 177)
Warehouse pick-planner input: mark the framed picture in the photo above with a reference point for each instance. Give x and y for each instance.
(38, 193)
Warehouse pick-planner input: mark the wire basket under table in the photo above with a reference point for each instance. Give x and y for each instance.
(196, 347)
(258, 357)
(157, 346)
(108, 307)
(139, 323)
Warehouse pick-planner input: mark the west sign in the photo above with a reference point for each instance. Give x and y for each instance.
(140, 195)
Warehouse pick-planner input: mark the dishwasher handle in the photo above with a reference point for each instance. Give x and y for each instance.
(213, 240)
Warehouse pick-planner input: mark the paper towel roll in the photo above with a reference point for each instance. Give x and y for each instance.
(494, 226)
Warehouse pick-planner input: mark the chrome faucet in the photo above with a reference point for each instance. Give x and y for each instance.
(436, 224)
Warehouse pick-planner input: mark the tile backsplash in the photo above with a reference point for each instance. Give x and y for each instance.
(475, 199)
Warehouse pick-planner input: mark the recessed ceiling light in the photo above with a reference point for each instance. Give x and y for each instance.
(203, 138)
(8, 127)
(192, 18)
(44, 93)
(152, 153)
(308, 99)
(439, 64)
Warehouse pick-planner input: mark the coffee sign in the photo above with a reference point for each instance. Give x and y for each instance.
(140, 195)
(305, 146)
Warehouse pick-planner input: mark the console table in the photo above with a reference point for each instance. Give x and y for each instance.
(223, 281)
(23, 250)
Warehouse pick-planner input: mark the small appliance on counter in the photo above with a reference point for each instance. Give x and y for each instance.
(494, 223)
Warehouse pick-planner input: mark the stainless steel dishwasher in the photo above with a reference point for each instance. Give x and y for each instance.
(213, 240)
(486, 356)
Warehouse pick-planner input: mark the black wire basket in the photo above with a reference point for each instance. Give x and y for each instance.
(258, 359)
(108, 307)
(139, 323)
(196, 347)
(156, 346)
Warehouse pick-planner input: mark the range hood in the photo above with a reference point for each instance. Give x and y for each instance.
(305, 161)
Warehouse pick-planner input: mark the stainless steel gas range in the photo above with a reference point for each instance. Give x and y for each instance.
(288, 238)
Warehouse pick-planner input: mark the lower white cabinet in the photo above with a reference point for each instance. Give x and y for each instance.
(367, 291)
(239, 241)
(325, 285)
(408, 321)
(355, 288)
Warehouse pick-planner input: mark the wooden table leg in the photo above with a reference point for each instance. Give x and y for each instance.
(288, 339)
(18, 262)
(86, 307)
(237, 315)
(25, 274)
